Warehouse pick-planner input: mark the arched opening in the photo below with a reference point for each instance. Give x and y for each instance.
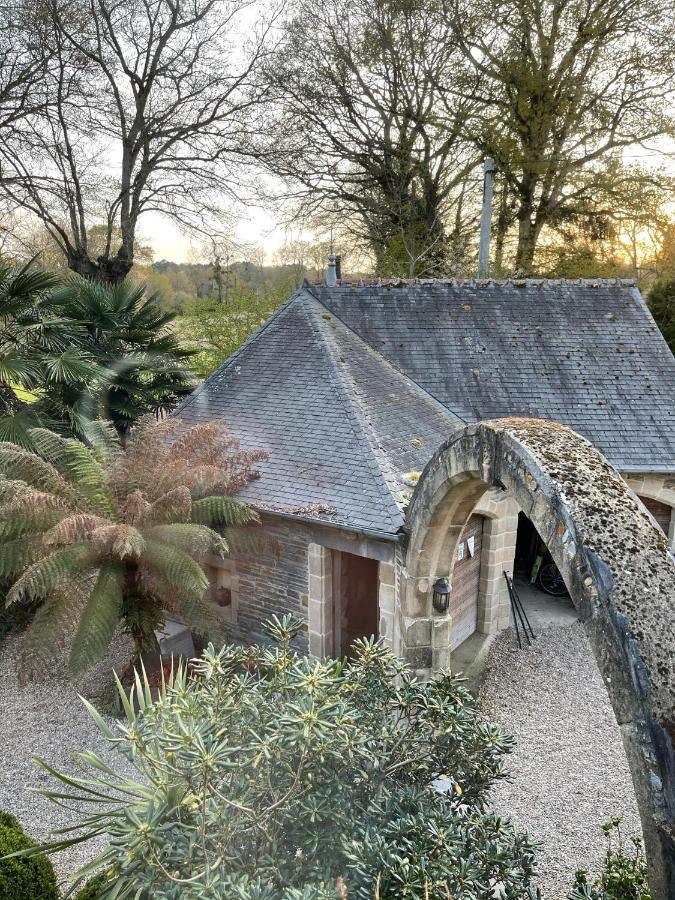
(616, 567)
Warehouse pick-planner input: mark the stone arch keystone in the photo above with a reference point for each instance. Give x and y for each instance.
(615, 562)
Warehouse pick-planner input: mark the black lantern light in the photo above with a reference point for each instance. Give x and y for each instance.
(441, 598)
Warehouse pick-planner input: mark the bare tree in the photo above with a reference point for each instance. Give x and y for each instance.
(361, 135)
(22, 61)
(562, 84)
(153, 106)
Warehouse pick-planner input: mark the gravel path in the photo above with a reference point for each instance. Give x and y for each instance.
(48, 719)
(569, 770)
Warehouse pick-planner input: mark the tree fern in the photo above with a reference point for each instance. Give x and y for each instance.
(225, 511)
(17, 555)
(55, 621)
(178, 569)
(104, 535)
(197, 540)
(99, 618)
(78, 464)
(174, 506)
(43, 577)
(22, 465)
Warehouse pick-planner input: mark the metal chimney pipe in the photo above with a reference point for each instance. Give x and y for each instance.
(486, 219)
(331, 277)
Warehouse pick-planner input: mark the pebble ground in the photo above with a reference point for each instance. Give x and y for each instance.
(569, 772)
(48, 719)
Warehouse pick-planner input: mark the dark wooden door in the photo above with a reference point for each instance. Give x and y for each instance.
(355, 584)
(466, 581)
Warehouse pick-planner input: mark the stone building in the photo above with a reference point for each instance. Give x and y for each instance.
(351, 389)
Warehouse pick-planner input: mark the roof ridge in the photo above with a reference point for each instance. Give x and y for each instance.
(478, 282)
(387, 472)
(241, 349)
(364, 431)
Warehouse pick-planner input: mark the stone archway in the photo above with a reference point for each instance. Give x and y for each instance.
(616, 566)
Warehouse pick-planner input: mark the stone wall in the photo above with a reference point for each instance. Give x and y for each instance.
(285, 567)
(656, 487)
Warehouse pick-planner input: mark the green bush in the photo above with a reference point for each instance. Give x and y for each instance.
(27, 878)
(93, 889)
(265, 776)
(624, 874)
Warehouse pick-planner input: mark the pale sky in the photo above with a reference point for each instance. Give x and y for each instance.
(255, 226)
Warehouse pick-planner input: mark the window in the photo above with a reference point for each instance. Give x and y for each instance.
(223, 587)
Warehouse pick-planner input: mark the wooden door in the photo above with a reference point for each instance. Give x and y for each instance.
(355, 588)
(466, 582)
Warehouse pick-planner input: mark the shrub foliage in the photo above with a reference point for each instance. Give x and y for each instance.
(266, 776)
(24, 877)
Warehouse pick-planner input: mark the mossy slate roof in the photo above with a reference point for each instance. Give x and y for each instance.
(348, 388)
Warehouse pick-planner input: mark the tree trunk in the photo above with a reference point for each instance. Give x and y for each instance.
(141, 614)
(501, 229)
(108, 270)
(527, 242)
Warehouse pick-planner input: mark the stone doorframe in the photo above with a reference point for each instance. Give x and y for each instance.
(616, 566)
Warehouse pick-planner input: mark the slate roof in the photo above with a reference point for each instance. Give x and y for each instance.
(349, 387)
(341, 425)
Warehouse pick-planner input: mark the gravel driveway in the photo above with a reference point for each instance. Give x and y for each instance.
(49, 720)
(569, 770)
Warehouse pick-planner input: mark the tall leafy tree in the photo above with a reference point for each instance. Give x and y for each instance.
(104, 536)
(368, 134)
(561, 86)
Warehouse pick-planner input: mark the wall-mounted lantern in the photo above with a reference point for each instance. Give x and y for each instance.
(441, 597)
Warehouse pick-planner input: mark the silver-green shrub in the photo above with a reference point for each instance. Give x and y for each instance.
(265, 776)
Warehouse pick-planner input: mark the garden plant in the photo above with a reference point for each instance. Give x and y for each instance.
(73, 350)
(23, 877)
(103, 536)
(264, 775)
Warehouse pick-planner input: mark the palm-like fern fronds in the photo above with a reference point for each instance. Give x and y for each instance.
(105, 536)
(17, 555)
(223, 511)
(183, 574)
(29, 512)
(55, 621)
(79, 465)
(21, 465)
(99, 619)
(43, 577)
(197, 540)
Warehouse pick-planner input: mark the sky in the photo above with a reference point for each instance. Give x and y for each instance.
(255, 226)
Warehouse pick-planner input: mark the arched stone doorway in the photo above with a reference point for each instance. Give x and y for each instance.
(615, 564)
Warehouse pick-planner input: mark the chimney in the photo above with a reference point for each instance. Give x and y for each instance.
(331, 276)
(338, 267)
